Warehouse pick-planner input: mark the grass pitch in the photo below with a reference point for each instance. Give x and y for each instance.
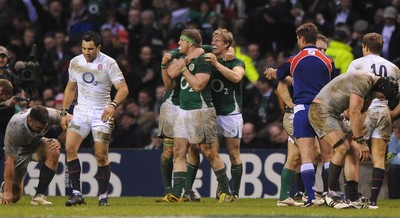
(146, 207)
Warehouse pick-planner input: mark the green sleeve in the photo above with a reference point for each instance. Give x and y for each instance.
(207, 48)
(175, 54)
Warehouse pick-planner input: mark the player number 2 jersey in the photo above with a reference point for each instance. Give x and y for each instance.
(227, 95)
(189, 99)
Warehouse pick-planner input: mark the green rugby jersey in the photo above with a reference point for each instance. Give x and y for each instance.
(227, 95)
(172, 95)
(189, 99)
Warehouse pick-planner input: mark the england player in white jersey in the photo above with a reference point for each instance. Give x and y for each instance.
(93, 74)
(377, 124)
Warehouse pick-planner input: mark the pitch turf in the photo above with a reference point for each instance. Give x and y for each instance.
(146, 207)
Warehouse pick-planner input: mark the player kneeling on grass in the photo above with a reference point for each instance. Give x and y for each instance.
(24, 142)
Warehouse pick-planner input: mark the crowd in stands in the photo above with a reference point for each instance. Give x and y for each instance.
(137, 32)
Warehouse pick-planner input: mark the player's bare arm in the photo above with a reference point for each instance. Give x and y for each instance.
(356, 122)
(165, 63)
(283, 92)
(395, 112)
(235, 75)
(174, 68)
(197, 81)
(69, 95)
(167, 81)
(120, 96)
(8, 175)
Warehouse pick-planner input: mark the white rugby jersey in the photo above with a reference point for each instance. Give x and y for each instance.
(20, 139)
(379, 66)
(94, 79)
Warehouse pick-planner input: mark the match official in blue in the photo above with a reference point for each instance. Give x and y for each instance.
(311, 71)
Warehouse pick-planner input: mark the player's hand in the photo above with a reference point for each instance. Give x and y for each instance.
(210, 57)
(363, 151)
(7, 198)
(10, 102)
(229, 55)
(166, 59)
(64, 121)
(270, 73)
(148, 76)
(108, 113)
(52, 144)
(195, 54)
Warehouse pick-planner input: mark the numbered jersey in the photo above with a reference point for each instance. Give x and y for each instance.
(379, 66)
(189, 99)
(94, 79)
(227, 95)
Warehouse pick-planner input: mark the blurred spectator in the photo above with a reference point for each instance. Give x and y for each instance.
(159, 94)
(269, 61)
(50, 16)
(390, 32)
(179, 14)
(6, 18)
(61, 56)
(49, 98)
(266, 107)
(58, 15)
(253, 50)
(156, 142)
(28, 39)
(135, 30)
(5, 72)
(156, 32)
(249, 138)
(346, 13)
(127, 134)
(394, 161)
(282, 57)
(250, 72)
(7, 110)
(207, 21)
(146, 72)
(79, 21)
(271, 19)
(277, 136)
(378, 18)
(158, 6)
(112, 23)
(109, 46)
(48, 62)
(146, 120)
(145, 101)
(360, 28)
(339, 51)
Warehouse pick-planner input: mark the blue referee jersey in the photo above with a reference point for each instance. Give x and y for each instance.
(311, 70)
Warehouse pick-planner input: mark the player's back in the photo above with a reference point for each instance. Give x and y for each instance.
(311, 71)
(377, 65)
